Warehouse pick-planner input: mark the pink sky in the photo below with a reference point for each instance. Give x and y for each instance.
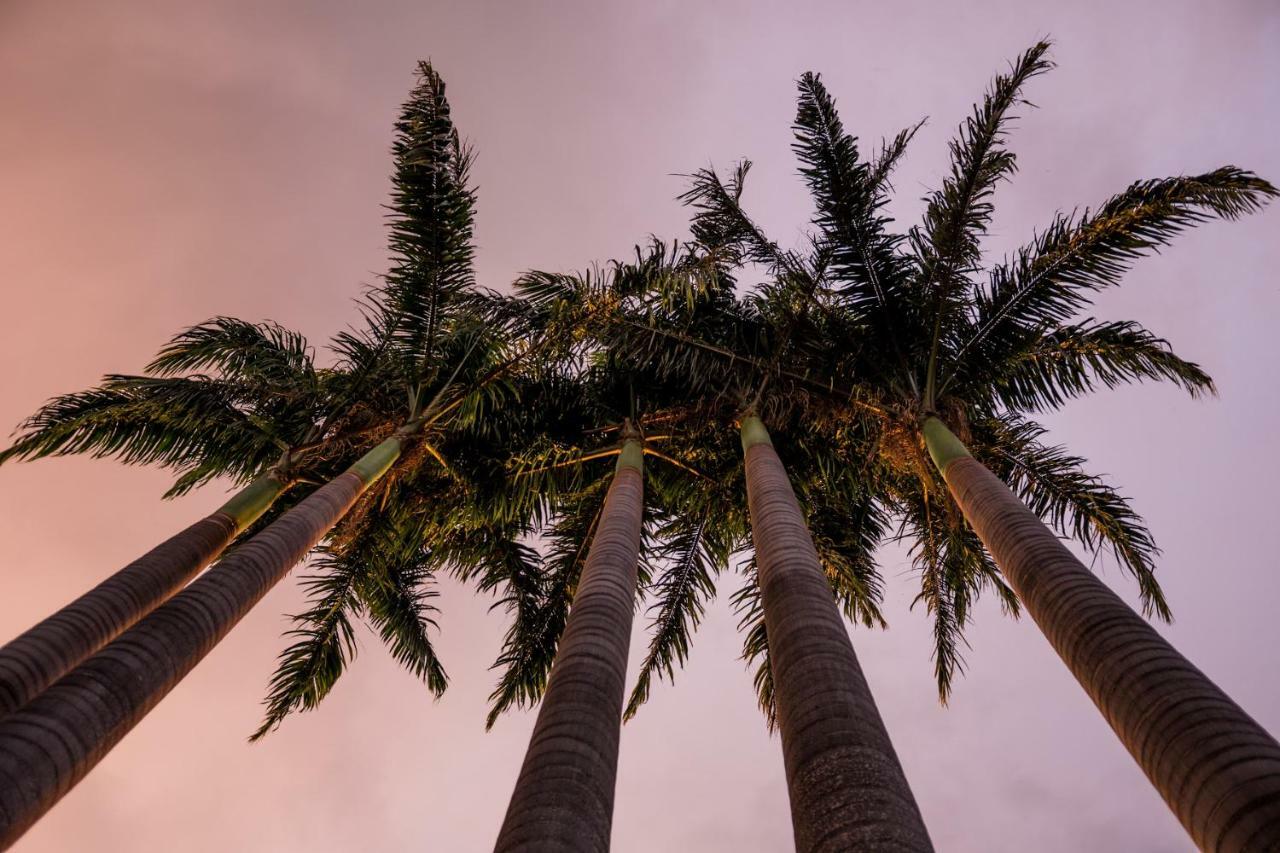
(161, 165)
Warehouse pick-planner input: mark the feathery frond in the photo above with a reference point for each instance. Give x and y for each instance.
(325, 642)
(755, 642)
(1054, 486)
(1073, 360)
(845, 191)
(694, 557)
(529, 648)
(1051, 279)
(432, 224)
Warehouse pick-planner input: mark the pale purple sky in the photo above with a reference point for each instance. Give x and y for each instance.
(162, 163)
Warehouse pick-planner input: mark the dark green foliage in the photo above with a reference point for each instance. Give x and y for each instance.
(1051, 280)
(433, 359)
(512, 407)
(856, 337)
(263, 399)
(432, 223)
(530, 645)
(323, 645)
(682, 590)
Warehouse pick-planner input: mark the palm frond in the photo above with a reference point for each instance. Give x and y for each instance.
(325, 642)
(755, 643)
(846, 193)
(1055, 486)
(719, 221)
(184, 423)
(432, 224)
(1073, 360)
(958, 214)
(846, 535)
(890, 153)
(265, 353)
(530, 646)
(693, 558)
(396, 599)
(1051, 279)
(954, 568)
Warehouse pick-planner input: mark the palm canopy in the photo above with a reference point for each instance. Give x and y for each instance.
(610, 333)
(432, 362)
(863, 332)
(435, 362)
(226, 398)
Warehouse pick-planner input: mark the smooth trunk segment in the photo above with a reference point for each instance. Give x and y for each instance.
(1218, 770)
(375, 463)
(631, 456)
(47, 651)
(847, 789)
(248, 505)
(49, 745)
(563, 799)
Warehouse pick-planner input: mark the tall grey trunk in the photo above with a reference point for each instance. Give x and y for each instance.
(563, 799)
(44, 653)
(847, 789)
(48, 745)
(1218, 770)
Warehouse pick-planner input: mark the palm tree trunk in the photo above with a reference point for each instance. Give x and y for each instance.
(37, 658)
(563, 799)
(1218, 770)
(848, 791)
(47, 746)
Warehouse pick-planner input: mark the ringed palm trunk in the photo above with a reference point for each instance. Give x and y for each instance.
(563, 799)
(1217, 769)
(847, 789)
(49, 745)
(37, 658)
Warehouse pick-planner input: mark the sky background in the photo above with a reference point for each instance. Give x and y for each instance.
(162, 163)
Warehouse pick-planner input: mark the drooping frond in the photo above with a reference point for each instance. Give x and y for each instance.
(1073, 360)
(954, 568)
(396, 599)
(693, 557)
(1055, 486)
(755, 643)
(529, 648)
(325, 642)
(513, 570)
(846, 535)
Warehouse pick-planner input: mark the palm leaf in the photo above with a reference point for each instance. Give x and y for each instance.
(693, 557)
(1051, 279)
(325, 641)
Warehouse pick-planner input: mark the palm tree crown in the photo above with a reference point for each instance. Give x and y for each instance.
(867, 332)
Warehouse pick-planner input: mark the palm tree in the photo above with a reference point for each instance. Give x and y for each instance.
(442, 509)
(423, 337)
(564, 795)
(254, 420)
(844, 739)
(576, 661)
(907, 328)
